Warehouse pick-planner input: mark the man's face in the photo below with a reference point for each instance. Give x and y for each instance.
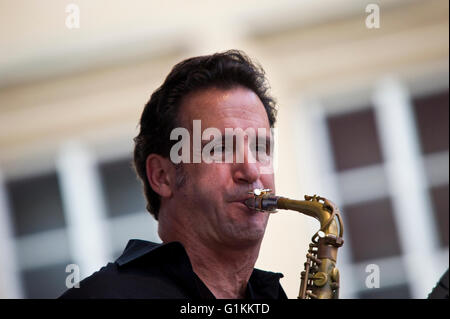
(212, 194)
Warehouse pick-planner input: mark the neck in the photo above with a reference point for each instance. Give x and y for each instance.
(224, 269)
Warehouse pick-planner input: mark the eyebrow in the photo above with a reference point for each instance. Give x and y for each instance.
(268, 138)
(212, 138)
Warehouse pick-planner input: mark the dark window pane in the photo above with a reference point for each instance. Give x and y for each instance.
(395, 292)
(35, 204)
(121, 188)
(371, 230)
(354, 139)
(45, 282)
(439, 197)
(432, 122)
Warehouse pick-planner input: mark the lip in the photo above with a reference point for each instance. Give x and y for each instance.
(241, 203)
(243, 199)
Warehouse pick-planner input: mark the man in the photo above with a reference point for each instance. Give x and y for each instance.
(211, 240)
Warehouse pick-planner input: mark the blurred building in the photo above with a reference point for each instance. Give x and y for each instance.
(363, 120)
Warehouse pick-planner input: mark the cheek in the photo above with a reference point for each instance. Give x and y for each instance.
(209, 178)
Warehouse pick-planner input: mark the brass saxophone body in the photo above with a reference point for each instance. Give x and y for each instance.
(320, 278)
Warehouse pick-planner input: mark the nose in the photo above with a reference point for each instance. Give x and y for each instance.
(246, 172)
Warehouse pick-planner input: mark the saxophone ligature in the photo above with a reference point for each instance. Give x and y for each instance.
(320, 278)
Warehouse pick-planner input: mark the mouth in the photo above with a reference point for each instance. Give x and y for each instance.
(242, 203)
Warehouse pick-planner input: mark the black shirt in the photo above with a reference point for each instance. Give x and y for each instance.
(150, 270)
(440, 291)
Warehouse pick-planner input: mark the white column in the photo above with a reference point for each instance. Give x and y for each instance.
(83, 208)
(10, 286)
(407, 184)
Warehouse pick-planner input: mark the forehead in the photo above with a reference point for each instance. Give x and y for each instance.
(237, 107)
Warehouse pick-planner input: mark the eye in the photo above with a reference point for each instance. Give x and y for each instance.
(218, 149)
(263, 153)
(261, 148)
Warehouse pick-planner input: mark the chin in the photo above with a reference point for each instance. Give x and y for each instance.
(244, 235)
(244, 225)
(254, 235)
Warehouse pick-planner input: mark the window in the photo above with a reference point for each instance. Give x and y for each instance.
(42, 247)
(393, 292)
(354, 139)
(372, 203)
(125, 205)
(35, 204)
(431, 113)
(45, 281)
(371, 229)
(431, 116)
(121, 188)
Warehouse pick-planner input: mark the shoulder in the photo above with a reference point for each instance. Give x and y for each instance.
(266, 284)
(113, 282)
(142, 271)
(266, 277)
(107, 282)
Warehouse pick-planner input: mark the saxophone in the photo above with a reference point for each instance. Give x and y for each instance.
(320, 278)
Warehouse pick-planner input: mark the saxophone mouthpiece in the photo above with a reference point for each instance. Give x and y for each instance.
(262, 201)
(250, 203)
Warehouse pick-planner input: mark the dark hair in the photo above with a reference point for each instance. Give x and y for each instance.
(222, 70)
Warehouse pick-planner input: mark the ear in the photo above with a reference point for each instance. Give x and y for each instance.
(159, 174)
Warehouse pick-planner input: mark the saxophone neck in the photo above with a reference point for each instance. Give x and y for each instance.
(319, 208)
(322, 209)
(311, 206)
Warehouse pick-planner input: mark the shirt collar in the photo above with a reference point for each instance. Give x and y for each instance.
(262, 284)
(137, 248)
